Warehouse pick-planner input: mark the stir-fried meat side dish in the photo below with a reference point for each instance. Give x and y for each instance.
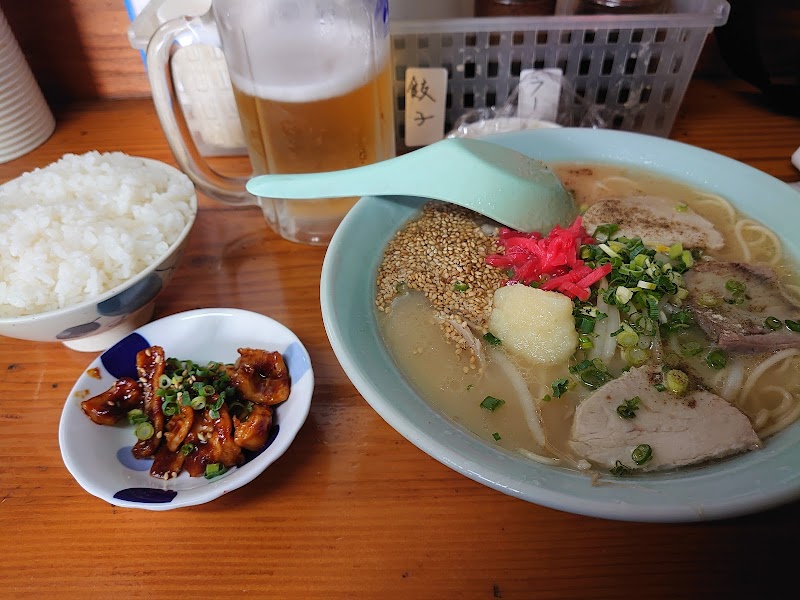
(150, 368)
(112, 405)
(194, 418)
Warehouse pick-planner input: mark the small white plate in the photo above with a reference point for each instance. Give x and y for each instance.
(99, 457)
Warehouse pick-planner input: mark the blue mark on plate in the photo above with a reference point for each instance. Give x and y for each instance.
(146, 495)
(120, 359)
(252, 454)
(296, 360)
(127, 459)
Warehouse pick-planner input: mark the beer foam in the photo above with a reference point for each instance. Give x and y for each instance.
(297, 67)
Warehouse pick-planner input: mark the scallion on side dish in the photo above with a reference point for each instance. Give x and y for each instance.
(460, 287)
(136, 416)
(144, 430)
(496, 436)
(214, 470)
(792, 325)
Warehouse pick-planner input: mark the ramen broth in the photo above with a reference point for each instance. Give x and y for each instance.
(414, 337)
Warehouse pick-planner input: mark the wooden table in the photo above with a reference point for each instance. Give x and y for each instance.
(352, 510)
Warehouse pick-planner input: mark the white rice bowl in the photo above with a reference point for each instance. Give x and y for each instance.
(84, 225)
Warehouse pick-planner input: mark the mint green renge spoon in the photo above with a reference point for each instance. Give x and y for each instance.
(497, 182)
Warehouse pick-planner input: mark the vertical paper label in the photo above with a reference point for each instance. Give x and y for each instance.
(426, 96)
(539, 93)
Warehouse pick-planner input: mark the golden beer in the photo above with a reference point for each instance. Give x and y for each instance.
(326, 105)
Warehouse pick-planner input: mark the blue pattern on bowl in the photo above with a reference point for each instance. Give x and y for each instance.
(133, 298)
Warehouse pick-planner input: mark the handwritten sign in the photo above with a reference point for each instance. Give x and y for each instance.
(426, 95)
(539, 93)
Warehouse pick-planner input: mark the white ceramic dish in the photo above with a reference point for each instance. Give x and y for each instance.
(745, 484)
(97, 323)
(99, 457)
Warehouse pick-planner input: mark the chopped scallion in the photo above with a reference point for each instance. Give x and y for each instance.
(620, 469)
(642, 453)
(144, 430)
(677, 381)
(491, 339)
(491, 403)
(214, 470)
(717, 359)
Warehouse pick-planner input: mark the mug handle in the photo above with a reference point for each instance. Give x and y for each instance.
(166, 41)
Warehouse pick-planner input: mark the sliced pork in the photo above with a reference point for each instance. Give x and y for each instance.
(657, 221)
(737, 320)
(680, 430)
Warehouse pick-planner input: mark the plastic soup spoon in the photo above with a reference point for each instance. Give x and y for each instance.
(497, 182)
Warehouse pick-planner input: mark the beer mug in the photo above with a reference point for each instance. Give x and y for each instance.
(312, 81)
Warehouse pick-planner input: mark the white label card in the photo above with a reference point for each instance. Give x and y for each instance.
(426, 97)
(539, 93)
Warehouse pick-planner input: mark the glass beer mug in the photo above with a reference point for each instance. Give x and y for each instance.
(312, 80)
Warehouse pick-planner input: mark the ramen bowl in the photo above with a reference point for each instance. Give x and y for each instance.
(740, 485)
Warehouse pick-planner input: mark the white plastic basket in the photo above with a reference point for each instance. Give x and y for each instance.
(634, 68)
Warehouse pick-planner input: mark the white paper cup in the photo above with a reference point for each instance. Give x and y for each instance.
(26, 120)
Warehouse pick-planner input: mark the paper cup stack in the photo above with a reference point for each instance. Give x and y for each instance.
(25, 119)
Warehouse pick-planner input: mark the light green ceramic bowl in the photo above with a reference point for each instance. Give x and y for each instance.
(745, 484)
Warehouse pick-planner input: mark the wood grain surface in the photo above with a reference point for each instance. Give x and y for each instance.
(352, 509)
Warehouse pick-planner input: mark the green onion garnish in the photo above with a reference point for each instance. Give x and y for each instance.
(620, 469)
(773, 323)
(187, 449)
(793, 325)
(716, 359)
(642, 453)
(627, 410)
(144, 430)
(460, 287)
(491, 403)
(214, 470)
(677, 381)
(198, 403)
(136, 416)
(491, 339)
(560, 386)
(496, 436)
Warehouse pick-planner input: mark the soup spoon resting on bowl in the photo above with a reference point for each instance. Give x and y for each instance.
(507, 186)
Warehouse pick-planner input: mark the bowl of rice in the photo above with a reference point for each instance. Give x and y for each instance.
(89, 242)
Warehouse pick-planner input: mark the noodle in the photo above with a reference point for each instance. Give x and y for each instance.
(758, 235)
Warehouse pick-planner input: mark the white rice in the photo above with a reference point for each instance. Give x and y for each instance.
(84, 224)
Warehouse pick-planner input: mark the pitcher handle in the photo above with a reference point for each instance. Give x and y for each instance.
(166, 41)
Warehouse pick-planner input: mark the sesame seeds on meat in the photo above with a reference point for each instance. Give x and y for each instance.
(442, 254)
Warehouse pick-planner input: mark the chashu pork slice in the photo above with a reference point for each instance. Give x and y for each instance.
(655, 220)
(741, 327)
(681, 430)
